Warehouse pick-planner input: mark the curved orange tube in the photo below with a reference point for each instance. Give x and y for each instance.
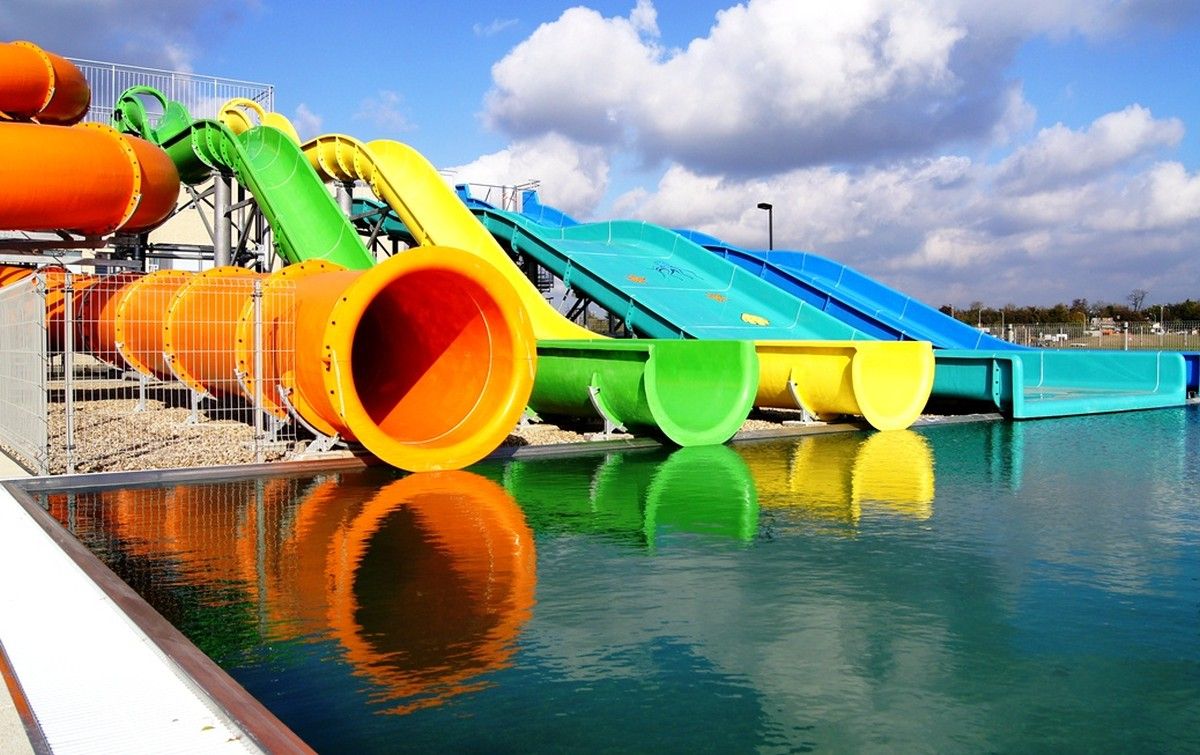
(13, 273)
(55, 297)
(56, 278)
(138, 322)
(278, 336)
(425, 359)
(90, 179)
(201, 328)
(95, 317)
(39, 85)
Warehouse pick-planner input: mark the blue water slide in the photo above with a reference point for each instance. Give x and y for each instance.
(854, 298)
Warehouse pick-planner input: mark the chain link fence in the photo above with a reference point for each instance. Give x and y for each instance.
(127, 371)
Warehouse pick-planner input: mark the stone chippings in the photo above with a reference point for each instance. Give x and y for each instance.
(111, 436)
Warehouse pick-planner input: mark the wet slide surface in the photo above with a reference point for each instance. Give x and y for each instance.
(854, 298)
(665, 285)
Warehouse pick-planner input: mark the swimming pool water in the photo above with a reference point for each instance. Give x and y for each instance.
(986, 586)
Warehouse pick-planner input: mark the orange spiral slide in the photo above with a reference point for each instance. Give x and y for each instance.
(427, 359)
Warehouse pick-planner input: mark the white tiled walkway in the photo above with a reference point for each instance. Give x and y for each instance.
(95, 682)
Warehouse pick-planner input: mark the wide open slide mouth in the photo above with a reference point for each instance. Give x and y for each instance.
(431, 359)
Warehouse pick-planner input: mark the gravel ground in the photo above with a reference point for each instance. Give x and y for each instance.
(111, 435)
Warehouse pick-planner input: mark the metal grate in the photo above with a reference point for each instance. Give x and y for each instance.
(128, 371)
(23, 372)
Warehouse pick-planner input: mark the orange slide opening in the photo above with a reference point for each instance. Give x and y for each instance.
(425, 359)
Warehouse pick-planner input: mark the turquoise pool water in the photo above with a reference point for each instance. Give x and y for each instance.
(974, 587)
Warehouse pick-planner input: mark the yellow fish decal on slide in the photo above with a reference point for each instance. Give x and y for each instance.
(755, 319)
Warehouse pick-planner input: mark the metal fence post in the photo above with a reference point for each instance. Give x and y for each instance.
(68, 361)
(44, 337)
(258, 371)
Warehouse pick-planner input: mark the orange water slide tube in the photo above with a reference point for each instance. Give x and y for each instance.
(13, 273)
(89, 179)
(41, 86)
(427, 360)
(56, 301)
(95, 317)
(54, 279)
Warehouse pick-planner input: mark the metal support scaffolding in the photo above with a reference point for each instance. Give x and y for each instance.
(345, 197)
(68, 366)
(222, 225)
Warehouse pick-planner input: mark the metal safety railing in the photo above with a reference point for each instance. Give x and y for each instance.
(202, 95)
(505, 197)
(84, 391)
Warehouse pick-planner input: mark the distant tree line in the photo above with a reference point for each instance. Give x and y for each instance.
(1079, 311)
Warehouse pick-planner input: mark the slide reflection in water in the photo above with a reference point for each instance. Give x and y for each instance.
(423, 582)
(639, 498)
(833, 476)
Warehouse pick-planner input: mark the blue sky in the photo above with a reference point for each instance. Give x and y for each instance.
(1027, 152)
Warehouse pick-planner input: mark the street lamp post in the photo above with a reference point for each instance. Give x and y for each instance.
(770, 208)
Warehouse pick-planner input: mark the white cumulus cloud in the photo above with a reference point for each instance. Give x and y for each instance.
(779, 84)
(939, 229)
(574, 177)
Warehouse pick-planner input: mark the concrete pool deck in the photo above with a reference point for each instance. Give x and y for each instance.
(13, 738)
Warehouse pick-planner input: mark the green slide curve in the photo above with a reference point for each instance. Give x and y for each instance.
(307, 222)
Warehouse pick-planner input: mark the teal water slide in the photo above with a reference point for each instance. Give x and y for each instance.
(660, 284)
(1021, 383)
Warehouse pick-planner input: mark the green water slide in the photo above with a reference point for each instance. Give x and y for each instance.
(651, 385)
(307, 222)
